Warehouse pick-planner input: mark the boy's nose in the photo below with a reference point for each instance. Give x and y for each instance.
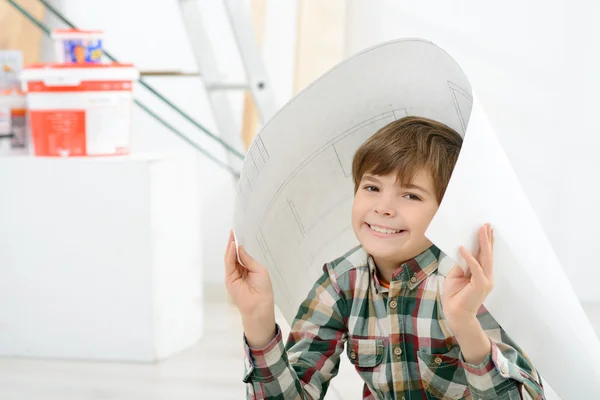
(386, 213)
(385, 210)
(385, 205)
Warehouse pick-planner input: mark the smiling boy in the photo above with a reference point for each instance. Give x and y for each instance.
(411, 330)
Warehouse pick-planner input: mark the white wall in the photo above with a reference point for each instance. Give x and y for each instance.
(529, 62)
(533, 64)
(580, 192)
(153, 38)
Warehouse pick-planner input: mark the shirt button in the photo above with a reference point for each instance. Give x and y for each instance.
(393, 304)
(398, 351)
(503, 370)
(413, 279)
(438, 360)
(353, 355)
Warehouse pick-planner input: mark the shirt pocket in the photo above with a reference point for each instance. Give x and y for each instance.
(367, 355)
(442, 375)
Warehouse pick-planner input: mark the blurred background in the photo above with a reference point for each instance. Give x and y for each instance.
(111, 272)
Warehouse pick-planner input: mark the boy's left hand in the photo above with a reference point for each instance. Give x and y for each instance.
(464, 293)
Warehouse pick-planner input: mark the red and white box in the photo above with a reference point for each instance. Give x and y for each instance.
(80, 109)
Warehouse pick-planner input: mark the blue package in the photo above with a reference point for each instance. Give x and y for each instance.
(83, 50)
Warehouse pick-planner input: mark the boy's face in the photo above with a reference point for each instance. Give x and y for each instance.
(390, 220)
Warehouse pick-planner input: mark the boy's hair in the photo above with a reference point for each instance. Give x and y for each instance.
(407, 145)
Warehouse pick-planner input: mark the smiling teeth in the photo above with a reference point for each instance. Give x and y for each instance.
(384, 230)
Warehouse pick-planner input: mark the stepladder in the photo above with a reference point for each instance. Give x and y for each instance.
(217, 85)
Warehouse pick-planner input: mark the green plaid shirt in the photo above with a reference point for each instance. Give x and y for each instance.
(396, 338)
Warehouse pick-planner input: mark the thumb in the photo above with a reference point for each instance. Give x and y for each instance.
(248, 262)
(456, 272)
(230, 259)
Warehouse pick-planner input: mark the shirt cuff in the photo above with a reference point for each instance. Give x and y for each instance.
(492, 376)
(267, 363)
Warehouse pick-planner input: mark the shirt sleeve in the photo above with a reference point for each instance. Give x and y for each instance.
(304, 367)
(507, 372)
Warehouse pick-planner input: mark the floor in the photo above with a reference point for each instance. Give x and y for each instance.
(212, 369)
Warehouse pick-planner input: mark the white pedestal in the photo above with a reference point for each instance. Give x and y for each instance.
(100, 257)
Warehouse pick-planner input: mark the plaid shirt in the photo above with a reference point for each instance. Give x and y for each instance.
(396, 338)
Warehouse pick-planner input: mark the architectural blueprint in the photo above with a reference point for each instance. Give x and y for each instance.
(295, 196)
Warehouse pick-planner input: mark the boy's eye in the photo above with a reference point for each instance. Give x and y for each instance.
(411, 196)
(371, 188)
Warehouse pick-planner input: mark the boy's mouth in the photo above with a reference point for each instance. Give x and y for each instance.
(382, 230)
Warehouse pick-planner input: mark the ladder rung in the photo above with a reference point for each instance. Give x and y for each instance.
(227, 86)
(169, 73)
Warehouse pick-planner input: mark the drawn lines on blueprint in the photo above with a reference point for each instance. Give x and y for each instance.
(463, 102)
(255, 161)
(315, 272)
(297, 217)
(346, 146)
(322, 215)
(274, 272)
(265, 249)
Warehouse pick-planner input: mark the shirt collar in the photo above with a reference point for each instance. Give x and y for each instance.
(415, 270)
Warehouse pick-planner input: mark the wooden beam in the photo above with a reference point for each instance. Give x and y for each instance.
(18, 33)
(320, 40)
(250, 117)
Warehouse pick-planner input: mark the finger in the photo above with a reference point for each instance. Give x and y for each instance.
(248, 262)
(227, 247)
(477, 276)
(481, 238)
(481, 242)
(486, 259)
(231, 239)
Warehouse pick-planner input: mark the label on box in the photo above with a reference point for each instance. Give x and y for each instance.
(82, 50)
(103, 128)
(58, 132)
(11, 64)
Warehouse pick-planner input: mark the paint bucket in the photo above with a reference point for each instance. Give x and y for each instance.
(80, 109)
(77, 46)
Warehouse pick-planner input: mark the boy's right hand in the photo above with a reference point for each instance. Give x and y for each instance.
(250, 288)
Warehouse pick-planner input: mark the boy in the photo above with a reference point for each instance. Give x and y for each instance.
(411, 331)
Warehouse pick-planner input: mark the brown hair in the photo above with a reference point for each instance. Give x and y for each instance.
(407, 145)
